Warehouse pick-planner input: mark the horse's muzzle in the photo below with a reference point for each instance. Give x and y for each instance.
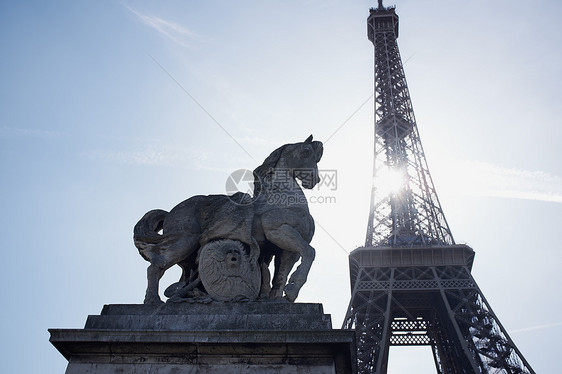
(311, 179)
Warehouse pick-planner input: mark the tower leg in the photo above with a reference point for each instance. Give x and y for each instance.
(460, 336)
(485, 341)
(384, 346)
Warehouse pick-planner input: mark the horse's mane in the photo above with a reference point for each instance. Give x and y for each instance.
(263, 172)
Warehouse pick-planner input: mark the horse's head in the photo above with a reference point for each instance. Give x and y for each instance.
(299, 159)
(302, 159)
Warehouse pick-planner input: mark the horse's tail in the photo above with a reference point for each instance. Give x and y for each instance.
(146, 234)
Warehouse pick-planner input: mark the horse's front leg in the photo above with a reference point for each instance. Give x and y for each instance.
(265, 290)
(284, 263)
(289, 239)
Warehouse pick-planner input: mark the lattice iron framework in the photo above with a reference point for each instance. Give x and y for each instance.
(426, 296)
(411, 214)
(411, 284)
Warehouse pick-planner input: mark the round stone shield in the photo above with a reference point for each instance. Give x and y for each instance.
(226, 272)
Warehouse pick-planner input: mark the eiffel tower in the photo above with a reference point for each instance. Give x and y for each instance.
(410, 283)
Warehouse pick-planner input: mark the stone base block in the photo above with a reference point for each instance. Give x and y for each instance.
(212, 316)
(204, 339)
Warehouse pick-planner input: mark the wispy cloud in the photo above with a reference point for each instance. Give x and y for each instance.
(258, 141)
(484, 179)
(151, 156)
(156, 155)
(8, 131)
(538, 327)
(171, 30)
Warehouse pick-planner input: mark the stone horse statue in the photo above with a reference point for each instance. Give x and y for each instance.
(224, 244)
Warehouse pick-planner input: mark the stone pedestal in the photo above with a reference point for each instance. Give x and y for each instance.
(253, 337)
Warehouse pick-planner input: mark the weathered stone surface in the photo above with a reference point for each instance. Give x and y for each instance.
(230, 368)
(274, 222)
(213, 316)
(272, 307)
(227, 272)
(205, 322)
(159, 352)
(253, 337)
(224, 245)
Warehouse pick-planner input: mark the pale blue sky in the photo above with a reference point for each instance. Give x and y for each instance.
(94, 133)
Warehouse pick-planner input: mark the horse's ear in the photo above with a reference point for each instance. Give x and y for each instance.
(318, 149)
(308, 140)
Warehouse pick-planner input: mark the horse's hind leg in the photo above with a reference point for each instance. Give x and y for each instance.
(170, 253)
(153, 274)
(185, 278)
